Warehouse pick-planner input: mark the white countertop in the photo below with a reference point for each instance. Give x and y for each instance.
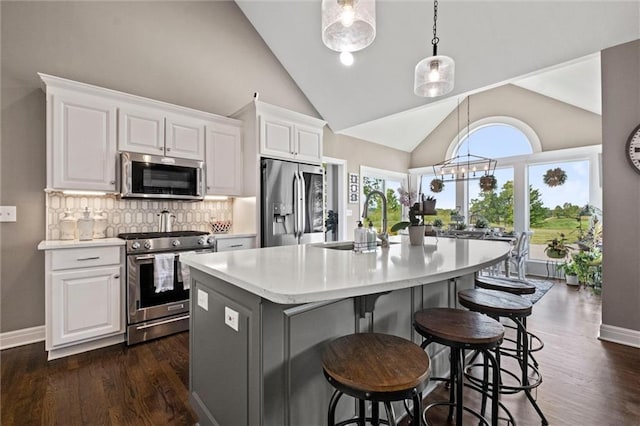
(308, 273)
(62, 244)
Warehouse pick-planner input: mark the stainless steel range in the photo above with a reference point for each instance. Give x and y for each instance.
(157, 289)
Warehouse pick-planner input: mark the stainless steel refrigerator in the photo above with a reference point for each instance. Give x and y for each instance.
(292, 203)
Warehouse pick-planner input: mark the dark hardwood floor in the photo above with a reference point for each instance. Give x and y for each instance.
(585, 381)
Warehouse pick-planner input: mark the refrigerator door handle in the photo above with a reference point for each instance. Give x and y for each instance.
(303, 210)
(296, 204)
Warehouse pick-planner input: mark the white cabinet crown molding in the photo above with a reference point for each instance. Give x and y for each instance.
(53, 82)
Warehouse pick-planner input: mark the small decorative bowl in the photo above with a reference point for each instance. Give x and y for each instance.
(220, 226)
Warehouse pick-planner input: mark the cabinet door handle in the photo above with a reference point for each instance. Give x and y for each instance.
(116, 276)
(161, 149)
(168, 149)
(235, 245)
(88, 258)
(113, 182)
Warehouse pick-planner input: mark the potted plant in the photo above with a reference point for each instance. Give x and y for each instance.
(488, 183)
(570, 271)
(481, 223)
(428, 205)
(437, 223)
(588, 266)
(415, 225)
(436, 185)
(554, 177)
(557, 247)
(461, 226)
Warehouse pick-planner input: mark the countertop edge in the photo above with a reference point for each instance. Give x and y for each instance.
(66, 244)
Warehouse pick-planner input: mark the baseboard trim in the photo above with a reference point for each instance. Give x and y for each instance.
(25, 336)
(623, 336)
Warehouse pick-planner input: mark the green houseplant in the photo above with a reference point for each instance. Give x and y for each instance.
(570, 270)
(557, 247)
(588, 266)
(415, 225)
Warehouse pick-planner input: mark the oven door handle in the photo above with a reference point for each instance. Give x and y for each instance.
(142, 327)
(138, 258)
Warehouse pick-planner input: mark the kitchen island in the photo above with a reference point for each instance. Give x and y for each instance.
(260, 319)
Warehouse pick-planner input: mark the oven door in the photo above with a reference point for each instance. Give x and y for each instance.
(143, 302)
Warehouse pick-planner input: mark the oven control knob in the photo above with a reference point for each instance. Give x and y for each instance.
(135, 245)
(147, 244)
(202, 241)
(175, 243)
(211, 239)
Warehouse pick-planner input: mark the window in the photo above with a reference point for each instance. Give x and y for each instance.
(446, 199)
(495, 141)
(555, 210)
(496, 206)
(387, 182)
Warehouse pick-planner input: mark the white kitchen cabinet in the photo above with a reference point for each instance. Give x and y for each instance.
(86, 304)
(81, 141)
(84, 296)
(284, 134)
(275, 132)
(223, 159)
(149, 130)
(231, 243)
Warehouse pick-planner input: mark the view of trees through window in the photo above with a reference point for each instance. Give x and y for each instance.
(394, 208)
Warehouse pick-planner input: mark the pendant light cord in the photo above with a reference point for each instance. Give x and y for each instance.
(435, 40)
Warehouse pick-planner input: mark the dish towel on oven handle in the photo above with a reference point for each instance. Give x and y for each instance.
(184, 275)
(163, 276)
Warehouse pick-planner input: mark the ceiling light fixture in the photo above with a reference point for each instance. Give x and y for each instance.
(348, 26)
(465, 167)
(434, 75)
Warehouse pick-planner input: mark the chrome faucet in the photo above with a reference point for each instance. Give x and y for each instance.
(384, 235)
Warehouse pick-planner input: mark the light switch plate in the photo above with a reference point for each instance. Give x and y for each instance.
(203, 300)
(231, 318)
(7, 213)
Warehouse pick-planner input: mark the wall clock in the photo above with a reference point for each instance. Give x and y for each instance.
(633, 149)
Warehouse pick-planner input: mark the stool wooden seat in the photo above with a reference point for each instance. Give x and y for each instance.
(462, 330)
(498, 304)
(376, 367)
(509, 285)
(495, 303)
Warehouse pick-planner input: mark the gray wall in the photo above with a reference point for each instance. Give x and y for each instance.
(203, 55)
(621, 187)
(557, 124)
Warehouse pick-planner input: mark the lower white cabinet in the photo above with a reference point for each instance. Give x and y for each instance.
(85, 303)
(84, 298)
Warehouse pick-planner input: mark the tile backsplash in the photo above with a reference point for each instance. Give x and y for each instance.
(131, 215)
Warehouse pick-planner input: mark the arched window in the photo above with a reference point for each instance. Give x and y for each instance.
(495, 141)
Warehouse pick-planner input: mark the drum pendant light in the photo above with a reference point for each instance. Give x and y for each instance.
(348, 25)
(434, 75)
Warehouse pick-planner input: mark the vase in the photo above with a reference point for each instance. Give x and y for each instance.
(429, 207)
(416, 235)
(556, 254)
(571, 279)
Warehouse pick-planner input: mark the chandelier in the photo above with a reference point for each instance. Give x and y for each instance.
(466, 166)
(434, 75)
(348, 26)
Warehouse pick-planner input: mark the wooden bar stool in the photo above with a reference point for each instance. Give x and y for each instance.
(513, 286)
(462, 330)
(499, 304)
(378, 368)
(510, 285)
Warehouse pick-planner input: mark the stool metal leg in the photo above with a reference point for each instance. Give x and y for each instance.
(391, 416)
(525, 370)
(375, 414)
(452, 381)
(362, 412)
(459, 386)
(331, 417)
(417, 409)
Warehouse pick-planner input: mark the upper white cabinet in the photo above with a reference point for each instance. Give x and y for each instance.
(272, 131)
(87, 126)
(224, 158)
(81, 141)
(154, 131)
(289, 135)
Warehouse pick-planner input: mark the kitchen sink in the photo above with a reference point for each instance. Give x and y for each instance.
(346, 245)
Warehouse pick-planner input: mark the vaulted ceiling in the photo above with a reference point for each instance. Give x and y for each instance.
(550, 47)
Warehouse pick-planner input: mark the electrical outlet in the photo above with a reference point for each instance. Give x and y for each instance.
(7, 213)
(231, 318)
(203, 300)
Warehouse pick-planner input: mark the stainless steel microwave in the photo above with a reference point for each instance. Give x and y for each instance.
(155, 177)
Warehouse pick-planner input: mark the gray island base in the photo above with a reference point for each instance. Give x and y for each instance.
(260, 320)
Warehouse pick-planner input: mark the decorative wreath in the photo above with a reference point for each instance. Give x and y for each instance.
(436, 185)
(488, 183)
(555, 177)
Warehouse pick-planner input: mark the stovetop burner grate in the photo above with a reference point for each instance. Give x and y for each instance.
(150, 235)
